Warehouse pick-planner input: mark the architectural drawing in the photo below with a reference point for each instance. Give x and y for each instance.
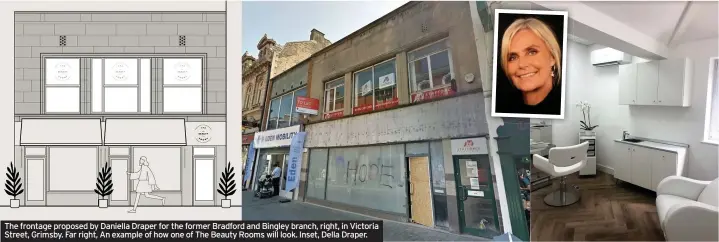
(126, 89)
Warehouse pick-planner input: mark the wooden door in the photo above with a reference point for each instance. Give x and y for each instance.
(420, 191)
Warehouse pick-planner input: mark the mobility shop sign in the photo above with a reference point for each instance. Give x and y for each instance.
(307, 105)
(276, 137)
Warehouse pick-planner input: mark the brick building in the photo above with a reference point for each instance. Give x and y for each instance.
(96, 88)
(273, 59)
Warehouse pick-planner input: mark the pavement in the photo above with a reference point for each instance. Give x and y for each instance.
(271, 209)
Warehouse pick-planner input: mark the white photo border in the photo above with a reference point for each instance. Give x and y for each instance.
(495, 51)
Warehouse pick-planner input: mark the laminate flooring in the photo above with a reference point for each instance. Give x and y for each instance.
(606, 211)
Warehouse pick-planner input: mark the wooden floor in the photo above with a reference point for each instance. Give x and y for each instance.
(606, 211)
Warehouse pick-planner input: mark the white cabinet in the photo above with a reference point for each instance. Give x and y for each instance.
(643, 166)
(665, 166)
(661, 83)
(623, 166)
(627, 85)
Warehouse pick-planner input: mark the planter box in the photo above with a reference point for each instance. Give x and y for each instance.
(102, 203)
(226, 203)
(14, 203)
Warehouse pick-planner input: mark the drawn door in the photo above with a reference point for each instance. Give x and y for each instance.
(420, 191)
(120, 181)
(35, 181)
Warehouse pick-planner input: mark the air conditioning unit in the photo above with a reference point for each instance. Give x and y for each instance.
(610, 57)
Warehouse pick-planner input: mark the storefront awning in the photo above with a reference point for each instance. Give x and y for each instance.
(61, 132)
(138, 132)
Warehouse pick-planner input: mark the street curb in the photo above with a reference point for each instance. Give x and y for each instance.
(475, 238)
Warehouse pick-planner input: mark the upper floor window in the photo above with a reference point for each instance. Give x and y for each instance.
(711, 132)
(375, 88)
(282, 111)
(182, 85)
(62, 85)
(248, 96)
(120, 85)
(430, 71)
(334, 96)
(257, 98)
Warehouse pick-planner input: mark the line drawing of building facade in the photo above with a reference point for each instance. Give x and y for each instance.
(110, 87)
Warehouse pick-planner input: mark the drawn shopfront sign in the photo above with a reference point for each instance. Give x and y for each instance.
(276, 137)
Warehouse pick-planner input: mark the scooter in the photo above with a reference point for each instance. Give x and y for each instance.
(265, 188)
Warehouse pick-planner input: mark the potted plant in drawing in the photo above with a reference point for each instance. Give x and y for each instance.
(13, 185)
(103, 186)
(227, 185)
(586, 123)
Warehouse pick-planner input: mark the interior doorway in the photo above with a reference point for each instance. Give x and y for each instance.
(420, 191)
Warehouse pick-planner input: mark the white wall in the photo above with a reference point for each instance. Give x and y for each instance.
(599, 86)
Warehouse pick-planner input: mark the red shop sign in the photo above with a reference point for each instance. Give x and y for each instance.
(362, 109)
(333, 115)
(307, 105)
(387, 104)
(433, 94)
(247, 139)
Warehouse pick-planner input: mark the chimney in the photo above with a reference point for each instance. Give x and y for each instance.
(318, 36)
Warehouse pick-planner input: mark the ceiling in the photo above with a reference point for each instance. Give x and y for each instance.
(670, 23)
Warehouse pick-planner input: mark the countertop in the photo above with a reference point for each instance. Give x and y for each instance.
(655, 145)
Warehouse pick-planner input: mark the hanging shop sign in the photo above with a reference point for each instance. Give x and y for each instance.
(307, 105)
(276, 137)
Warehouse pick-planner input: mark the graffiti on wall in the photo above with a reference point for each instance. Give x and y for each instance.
(367, 173)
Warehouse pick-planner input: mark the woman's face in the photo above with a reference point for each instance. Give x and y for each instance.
(530, 62)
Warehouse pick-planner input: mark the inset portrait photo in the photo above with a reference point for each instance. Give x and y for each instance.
(529, 64)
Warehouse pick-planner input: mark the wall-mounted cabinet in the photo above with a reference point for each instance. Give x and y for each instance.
(656, 83)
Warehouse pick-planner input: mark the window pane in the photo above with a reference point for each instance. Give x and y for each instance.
(419, 75)
(428, 50)
(440, 68)
(120, 71)
(121, 99)
(165, 165)
(296, 116)
(62, 99)
(72, 169)
(340, 97)
(183, 71)
(182, 99)
(62, 71)
(285, 111)
(273, 114)
(96, 85)
(363, 88)
(145, 85)
(385, 84)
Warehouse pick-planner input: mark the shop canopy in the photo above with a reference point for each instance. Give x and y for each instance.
(145, 132)
(57, 132)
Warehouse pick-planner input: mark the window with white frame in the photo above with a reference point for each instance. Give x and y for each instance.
(375, 87)
(62, 85)
(335, 95)
(712, 110)
(282, 111)
(182, 85)
(430, 67)
(120, 85)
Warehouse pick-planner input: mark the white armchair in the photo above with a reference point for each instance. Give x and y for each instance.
(687, 209)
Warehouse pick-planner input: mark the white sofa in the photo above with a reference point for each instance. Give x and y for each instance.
(687, 209)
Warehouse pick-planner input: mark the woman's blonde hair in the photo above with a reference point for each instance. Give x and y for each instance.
(540, 29)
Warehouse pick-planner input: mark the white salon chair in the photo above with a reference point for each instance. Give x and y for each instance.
(562, 162)
(687, 209)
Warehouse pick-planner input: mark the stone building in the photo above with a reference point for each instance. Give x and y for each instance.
(273, 59)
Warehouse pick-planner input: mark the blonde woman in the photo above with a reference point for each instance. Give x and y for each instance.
(145, 183)
(530, 57)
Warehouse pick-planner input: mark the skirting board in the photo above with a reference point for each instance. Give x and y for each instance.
(605, 169)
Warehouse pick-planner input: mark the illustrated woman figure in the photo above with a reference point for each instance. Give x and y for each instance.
(145, 183)
(530, 57)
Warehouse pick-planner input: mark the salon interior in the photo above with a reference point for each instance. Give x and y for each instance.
(642, 76)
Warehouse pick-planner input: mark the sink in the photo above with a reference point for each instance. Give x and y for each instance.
(633, 140)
